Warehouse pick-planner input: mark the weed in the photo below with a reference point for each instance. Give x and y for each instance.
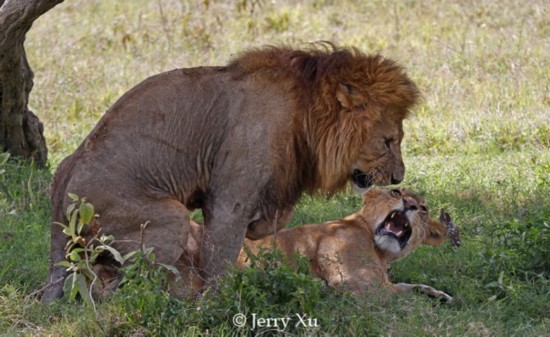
(3, 160)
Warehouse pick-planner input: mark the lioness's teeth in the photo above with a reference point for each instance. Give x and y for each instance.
(392, 215)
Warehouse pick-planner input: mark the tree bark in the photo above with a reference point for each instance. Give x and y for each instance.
(21, 132)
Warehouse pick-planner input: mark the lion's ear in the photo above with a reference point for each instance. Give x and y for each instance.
(344, 95)
(435, 233)
(348, 97)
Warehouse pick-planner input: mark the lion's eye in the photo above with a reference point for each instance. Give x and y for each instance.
(387, 142)
(424, 208)
(395, 193)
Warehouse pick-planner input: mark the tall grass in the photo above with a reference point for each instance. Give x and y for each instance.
(478, 145)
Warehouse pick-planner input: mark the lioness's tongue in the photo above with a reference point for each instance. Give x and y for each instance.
(396, 229)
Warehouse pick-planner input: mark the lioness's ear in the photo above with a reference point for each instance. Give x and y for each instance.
(435, 233)
(343, 95)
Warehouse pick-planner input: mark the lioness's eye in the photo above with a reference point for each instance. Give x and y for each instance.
(395, 193)
(424, 208)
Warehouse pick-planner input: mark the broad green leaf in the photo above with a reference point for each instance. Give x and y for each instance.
(66, 264)
(114, 252)
(88, 274)
(172, 269)
(70, 246)
(86, 211)
(70, 211)
(93, 258)
(150, 255)
(104, 238)
(69, 287)
(4, 158)
(74, 256)
(73, 197)
(79, 227)
(72, 224)
(129, 255)
(83, 289)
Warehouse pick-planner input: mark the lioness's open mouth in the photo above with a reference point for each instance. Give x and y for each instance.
(362, 179)
(397, 226)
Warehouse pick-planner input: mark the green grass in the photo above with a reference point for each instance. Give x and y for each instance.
(478, 146)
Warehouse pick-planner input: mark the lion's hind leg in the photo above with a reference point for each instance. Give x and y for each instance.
(160, 224)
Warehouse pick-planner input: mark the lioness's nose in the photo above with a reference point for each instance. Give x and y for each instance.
(410, 204)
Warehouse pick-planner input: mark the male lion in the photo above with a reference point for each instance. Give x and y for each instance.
(242, 142)
(355, 252)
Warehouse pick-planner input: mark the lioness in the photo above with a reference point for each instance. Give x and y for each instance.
(242, 142)
(355, 252)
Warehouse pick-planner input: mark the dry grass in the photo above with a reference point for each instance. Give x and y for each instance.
(482, 66)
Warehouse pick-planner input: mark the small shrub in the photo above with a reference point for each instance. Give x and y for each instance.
(270, 288)
(142, 299)
(81, 254)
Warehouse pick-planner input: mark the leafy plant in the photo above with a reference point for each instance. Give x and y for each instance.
(80, 253)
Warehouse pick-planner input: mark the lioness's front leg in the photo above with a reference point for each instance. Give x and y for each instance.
(262, 228)
(430, 291)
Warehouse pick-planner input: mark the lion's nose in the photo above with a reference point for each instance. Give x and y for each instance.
(395, 180)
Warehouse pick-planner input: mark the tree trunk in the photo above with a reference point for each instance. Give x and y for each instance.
(21, 132)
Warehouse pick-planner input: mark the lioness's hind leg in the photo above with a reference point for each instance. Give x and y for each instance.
(105, 281)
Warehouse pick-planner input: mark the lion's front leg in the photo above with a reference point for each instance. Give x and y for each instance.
(430, 291)
(224, 232)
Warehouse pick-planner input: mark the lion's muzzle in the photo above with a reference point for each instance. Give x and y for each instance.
(362, 179)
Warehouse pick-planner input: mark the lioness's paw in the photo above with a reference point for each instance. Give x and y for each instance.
(448, 298)
(432, 292)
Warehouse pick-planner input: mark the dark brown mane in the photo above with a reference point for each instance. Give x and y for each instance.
(323, 66)
(326, 141)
